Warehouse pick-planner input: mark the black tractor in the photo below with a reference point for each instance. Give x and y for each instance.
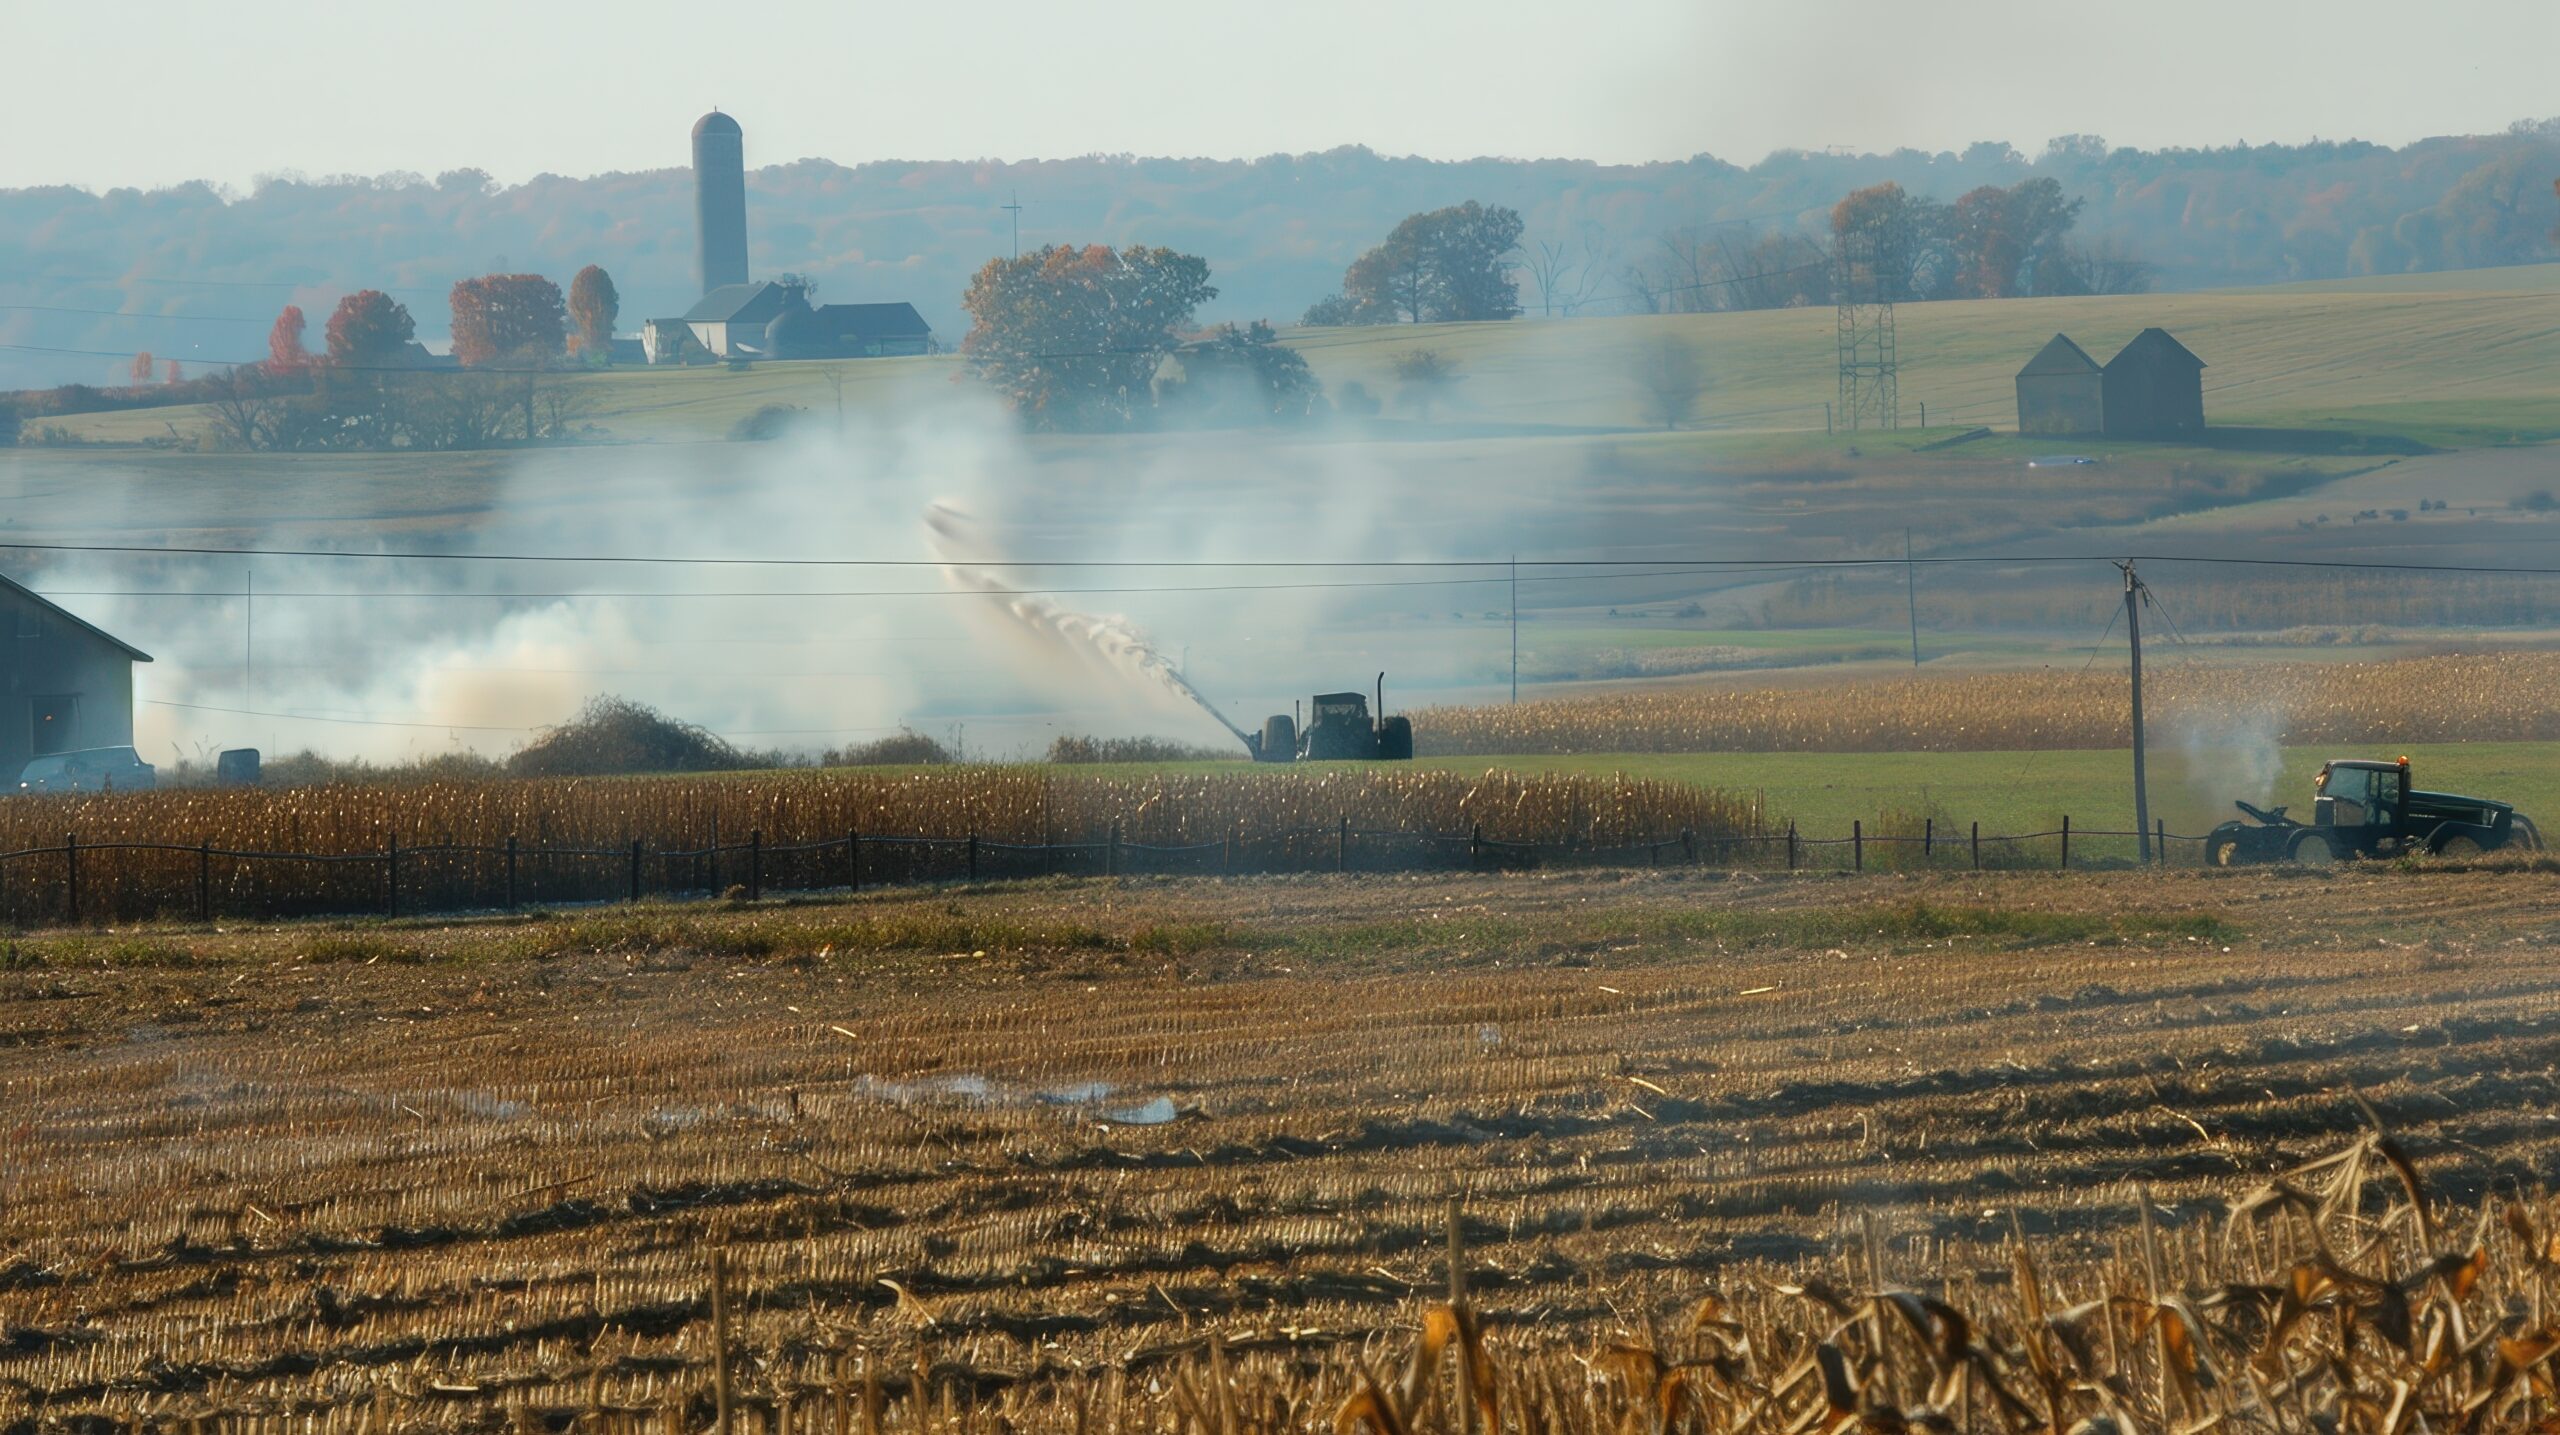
(2368, 809)
(1339, 728)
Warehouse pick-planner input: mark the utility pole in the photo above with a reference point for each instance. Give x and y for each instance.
(1013, 206)
(1515, 628)
(1911, 594)
(2133, 593)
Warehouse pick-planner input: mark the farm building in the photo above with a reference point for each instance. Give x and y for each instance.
(2154, 389)
(2061, 391)
(771, 321)
(70, 684)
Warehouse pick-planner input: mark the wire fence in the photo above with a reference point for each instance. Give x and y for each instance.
(75, 882)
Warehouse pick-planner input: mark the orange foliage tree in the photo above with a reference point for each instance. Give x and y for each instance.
(508, 318)
(593, 306)
(368, 330)
(285, 354)
(1073, 337)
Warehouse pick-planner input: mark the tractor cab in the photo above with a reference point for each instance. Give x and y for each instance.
(1338, 728)
(2364, 804)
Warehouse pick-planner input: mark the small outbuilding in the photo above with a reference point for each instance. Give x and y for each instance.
(2154, 389)
(70, 683)
(730, 320)
(2061, 391)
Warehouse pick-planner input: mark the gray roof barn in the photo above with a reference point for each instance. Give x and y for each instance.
(2061, 391)
(739, 304)
(875, 329)
(2154, 389)
(70, 682)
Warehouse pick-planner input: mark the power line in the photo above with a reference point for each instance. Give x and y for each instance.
(1685, 565)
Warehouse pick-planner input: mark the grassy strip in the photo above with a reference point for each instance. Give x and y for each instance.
(837, 935)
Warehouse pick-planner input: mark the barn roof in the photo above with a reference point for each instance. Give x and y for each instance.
(738, 304)
(2061, 356)
(2154, 346)
(11, 585)
(874, 321)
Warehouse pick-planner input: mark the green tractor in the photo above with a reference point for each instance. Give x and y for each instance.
(2368, 809)
(1339, 728)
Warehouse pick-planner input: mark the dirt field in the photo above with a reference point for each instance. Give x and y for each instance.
(471, 1168)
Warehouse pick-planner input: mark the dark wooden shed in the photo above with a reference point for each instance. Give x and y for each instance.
(2061, 391)
(2154, 389)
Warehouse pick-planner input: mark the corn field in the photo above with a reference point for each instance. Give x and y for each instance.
(2485, 698)
(578, 834)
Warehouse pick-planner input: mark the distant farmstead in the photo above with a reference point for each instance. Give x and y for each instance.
(772, 321)
(2152, 389)
(70, 683)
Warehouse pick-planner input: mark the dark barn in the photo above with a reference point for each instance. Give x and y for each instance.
(70, 684)
(2061, 391)
(2154, 389)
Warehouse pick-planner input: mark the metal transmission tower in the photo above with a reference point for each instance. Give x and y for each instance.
(1870, 384)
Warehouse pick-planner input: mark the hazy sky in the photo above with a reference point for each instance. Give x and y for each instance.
(154, 91)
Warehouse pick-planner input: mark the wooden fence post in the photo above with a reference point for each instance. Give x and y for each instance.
(1928, 838)
(720, 1341)
(1342, 845)
(1791, 845)
(2160, 840)
(391, 877)
(1475, 848)
(2066, 842)
(71, 872)
(204, 880)
(755, 864)
(1858, 844)
(511, 871)
(1977, 847)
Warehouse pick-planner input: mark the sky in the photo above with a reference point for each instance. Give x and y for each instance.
(153, 92)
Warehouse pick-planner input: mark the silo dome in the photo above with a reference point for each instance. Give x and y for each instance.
(716, 123)
(794, 334)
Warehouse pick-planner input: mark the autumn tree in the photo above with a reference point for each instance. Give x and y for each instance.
(1999, 237)
(1423, 378)
(139, 372)
(285, 353)
(593, 306)
(369, 330)
(1243, 375)
(1449, 265)
(515, 319)
(170, 373)
(1901, 239)
(1073, 337)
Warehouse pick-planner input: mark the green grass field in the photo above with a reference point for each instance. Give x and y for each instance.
(2010, 792)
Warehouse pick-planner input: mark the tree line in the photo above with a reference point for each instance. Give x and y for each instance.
(1279, 230)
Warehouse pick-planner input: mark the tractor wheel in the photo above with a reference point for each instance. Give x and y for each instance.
(1395, 739)
(2313, 850)
(2225, 853)
(1279, 739)
(2461, 847)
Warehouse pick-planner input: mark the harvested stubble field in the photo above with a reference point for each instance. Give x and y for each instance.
(2492, 697)
(1038, 1146)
